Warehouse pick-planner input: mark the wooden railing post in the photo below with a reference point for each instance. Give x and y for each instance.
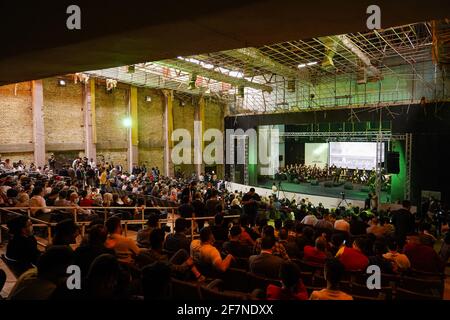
(126, 228)
(192, 229)
(49, 234)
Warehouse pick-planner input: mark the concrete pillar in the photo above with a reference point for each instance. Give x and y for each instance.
(133, 131)
(37, 103)
(168, 129)
(90, 148)
(198, 137)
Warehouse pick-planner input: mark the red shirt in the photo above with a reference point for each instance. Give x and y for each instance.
(353, 260)
(277, 293)
(424, 258)
(311, 254)
(86, 202)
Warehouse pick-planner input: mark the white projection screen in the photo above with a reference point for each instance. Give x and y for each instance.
(352, 155)
(316, 154)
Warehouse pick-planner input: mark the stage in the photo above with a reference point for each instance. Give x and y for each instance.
(304, 188)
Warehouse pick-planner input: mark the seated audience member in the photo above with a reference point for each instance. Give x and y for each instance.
(266, 263)
(178, 240)
(92, 247)
(37, 201)
(444, 252)
(421, 256)
(23, 200)
(426, 237)
(333, 272)
(326, 222)
(377, 259)
(40, 283)
(125, 248)
(353, 259)
(206, 255)
(212, 203)
(106, 280)
(180, 263)
(292, 286)
(342, 224)
(389, 230)
(220, 228)
(66, 233)
(316, 254)
(199, 209)
(22, 246)
(156, 280)
(278, 249)
(85, 200)
(62, 200)
(310, 219)
(143, 235)
(376, 228)
(336, 243)
(185, 210)
(234, 247)
(358, 224)
(305, 237)
(400, 261)
(246, 234)
(288, 243)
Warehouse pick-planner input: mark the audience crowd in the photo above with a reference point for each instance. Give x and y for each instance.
(265, 235)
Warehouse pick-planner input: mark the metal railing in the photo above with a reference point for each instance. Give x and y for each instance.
(169, 220)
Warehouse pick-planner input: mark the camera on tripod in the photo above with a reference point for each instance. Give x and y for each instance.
(343, 195)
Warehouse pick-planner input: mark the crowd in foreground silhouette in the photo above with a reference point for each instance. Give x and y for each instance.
(272, 239)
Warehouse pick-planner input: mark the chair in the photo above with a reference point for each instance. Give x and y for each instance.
(259, 282)
(185, 290)
(211, 293)
(241, 263)
(426, 275)
(367, 298)
(16, 268)
(362, 290)
(236, 280)
(433, 287)
(403, 294)
(2, 279)
(308, 266)
(307, 278)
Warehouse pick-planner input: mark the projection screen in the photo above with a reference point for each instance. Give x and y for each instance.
(352, 155)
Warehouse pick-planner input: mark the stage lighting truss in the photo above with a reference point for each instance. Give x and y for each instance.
(339, 71)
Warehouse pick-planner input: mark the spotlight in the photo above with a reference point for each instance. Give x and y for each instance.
(148, 98)
(62, 83)
(127, 122)
(110, 84)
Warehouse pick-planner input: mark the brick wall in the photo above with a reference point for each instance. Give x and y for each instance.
(16, 129)
(64, 122)
(63, 115)
(151, 128)
(111, 109)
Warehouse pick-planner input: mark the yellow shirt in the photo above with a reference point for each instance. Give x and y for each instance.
(327, 294)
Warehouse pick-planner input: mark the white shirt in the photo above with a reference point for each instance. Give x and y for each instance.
(310, 220)
(342, 225)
